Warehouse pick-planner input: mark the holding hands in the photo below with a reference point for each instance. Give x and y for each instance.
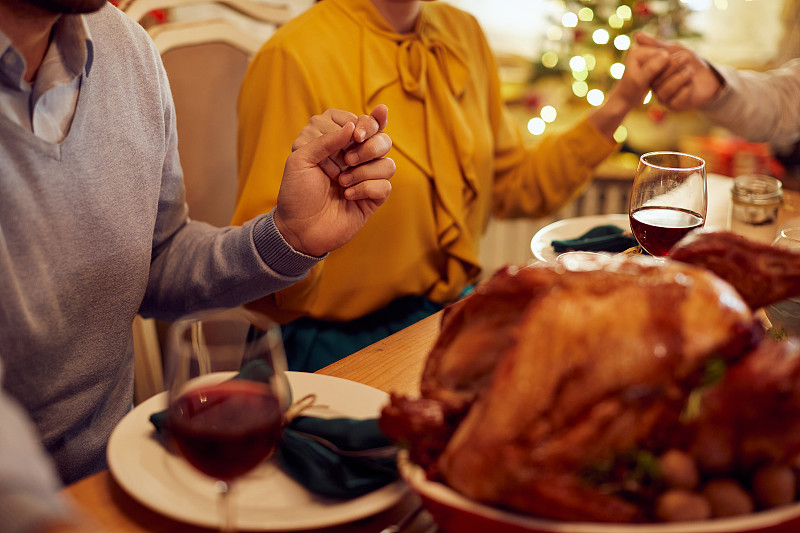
(334, 180)
(688, 82)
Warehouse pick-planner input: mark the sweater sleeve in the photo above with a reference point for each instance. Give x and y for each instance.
(759, 106)
(195, 265)
(536, 180)
(29, 496)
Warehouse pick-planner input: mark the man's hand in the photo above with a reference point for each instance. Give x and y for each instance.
(334, 180)
(688, 82)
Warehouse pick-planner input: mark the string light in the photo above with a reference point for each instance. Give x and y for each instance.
(600, 36)
(548, 113)
(577, 63)
(622, 42)
(554, 33)
(580, 88)
(595, 97)
(580, 75)
(536, 126)
(621, 134)
(549, 59)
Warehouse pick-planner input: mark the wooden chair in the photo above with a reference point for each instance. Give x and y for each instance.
(205, 59)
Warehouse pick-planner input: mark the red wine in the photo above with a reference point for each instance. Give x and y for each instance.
(225, 430)
(658, 228)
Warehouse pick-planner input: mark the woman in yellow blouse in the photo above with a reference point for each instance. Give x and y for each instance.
(460, 158)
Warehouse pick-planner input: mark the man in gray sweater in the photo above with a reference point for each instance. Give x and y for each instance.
(93, 224)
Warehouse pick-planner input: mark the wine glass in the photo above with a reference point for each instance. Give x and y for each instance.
(227, 392)
(668, 199)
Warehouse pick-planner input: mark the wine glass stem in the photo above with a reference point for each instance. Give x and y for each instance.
(226, 510)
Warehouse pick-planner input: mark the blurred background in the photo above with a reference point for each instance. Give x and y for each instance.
(558, 58)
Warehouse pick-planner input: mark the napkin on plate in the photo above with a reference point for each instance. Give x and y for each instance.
(605, 238)
(338, 457)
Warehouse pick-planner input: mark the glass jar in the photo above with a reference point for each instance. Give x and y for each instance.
(755, 203)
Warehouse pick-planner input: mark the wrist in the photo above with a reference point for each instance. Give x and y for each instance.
(608, 117)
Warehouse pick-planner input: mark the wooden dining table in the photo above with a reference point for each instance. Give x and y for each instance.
(393, 364)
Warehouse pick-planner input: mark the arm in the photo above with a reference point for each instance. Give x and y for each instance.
(196, 266)
(29, 498)
(761, 107)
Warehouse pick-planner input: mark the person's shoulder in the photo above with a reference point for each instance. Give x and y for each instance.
(112, 29)
(109, 20)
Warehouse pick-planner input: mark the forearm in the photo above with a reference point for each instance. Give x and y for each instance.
(761, 107)
(609, 116)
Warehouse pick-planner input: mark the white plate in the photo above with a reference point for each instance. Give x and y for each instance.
(267, 499)
(571, 228)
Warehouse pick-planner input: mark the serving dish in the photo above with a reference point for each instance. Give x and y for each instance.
(454, 513)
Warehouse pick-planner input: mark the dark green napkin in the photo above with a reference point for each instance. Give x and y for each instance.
(338, 457)
(605, 238)
(364, 461)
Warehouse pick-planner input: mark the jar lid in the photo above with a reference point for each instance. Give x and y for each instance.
(757, 189)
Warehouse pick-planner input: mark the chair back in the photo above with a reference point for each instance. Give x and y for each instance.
(206, 46)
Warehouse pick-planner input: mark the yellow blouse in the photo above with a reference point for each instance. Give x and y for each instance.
(460, 156)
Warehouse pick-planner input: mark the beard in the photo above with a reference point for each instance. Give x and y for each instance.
(65, 7)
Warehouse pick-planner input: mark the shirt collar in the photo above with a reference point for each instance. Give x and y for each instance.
(74, 41)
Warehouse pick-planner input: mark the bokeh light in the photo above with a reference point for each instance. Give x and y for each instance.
(548, 113)
(622, 42)
(580, 88)
(600, 36)
(595, 97)
(536, 126)
(585, 14)
(549, 59)
(577, 63)
(621, 134)
(616, 70)
(569, 20)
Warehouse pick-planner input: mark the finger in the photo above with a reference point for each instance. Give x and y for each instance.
(669, 87)
(330, 168)
(376, 190)
(646, 40)
(325, 146)
(380, 169)
(372, 148)
(381, 115)
(339, 116)
(366, 127)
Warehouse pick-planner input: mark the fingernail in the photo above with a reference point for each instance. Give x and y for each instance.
(345, 179)
(351, 159)
(360, 134)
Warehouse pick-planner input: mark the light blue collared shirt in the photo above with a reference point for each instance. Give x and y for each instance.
(46, 107)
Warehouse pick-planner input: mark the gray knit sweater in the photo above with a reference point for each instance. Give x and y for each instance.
(93, 231)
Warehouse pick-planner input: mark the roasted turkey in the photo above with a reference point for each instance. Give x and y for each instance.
(543, 375)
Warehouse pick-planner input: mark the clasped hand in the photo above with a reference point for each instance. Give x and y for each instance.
(335, 179)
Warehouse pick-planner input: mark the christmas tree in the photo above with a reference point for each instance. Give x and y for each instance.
(586, 48)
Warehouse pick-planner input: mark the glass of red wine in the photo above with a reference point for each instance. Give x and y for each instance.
(227, 392)
(669, 199)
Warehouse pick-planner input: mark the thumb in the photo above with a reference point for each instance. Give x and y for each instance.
(326, 145)
(645, 40)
